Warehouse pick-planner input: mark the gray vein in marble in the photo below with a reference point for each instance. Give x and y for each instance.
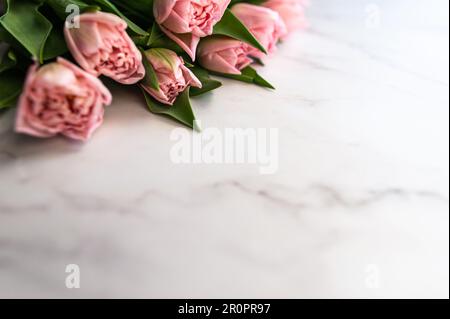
(41, 208)
(331, 197)
(137, 204)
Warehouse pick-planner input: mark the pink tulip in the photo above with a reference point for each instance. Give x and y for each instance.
(291, 11)
(102, 46)
(265, 24)
(186, 21)
(60, 98)
(223, 55)
(173, 76)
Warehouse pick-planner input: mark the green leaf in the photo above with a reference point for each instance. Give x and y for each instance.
(248, 75)
(208, 84)
(140, 8)
(7, 60)
(180, 111)
(11, 83)
(107, 5)
(232, 27)
(55, 45)
(258, 2)
(6, 37)
(60, 7)
(150, 79)
(155, 35)
(27, 25)
(257, 79)
(158, 39)
(258, 61)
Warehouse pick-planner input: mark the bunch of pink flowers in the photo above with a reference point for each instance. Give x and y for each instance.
(67, 98)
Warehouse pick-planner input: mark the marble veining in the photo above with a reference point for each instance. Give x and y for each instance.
(358, 208)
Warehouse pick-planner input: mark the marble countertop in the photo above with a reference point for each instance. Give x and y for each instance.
(358, 208)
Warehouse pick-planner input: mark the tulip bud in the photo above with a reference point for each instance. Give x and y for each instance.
(172, 75)
(223, 55)
(101, 46)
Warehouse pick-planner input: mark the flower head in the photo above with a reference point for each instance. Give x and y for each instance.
(186, 21)
(60, 98)
(172, 75)
(101, 46)
(223, 55)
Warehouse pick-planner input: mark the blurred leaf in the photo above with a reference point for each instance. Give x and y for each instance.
(108, 6)
(7, 60)
(55, 45)
(6, 37)
(60, 7)
(27, 25)
(233, 2)
(11, 83)
(140, 8)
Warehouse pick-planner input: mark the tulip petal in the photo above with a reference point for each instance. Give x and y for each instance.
(191, 78)
(22, 125)
(223, 55)
(105, 18)
(158, 95)
(79, 57)
(105, 93)
(177, 21)
(188, 42)
(162, 9)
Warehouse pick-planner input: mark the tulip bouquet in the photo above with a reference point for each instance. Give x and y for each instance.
(52, 53)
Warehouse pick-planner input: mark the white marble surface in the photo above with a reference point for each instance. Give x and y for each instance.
(358, 208)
